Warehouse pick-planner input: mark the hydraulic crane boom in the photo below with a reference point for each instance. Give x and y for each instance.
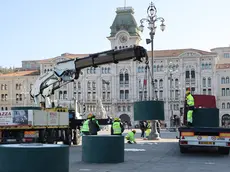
(68, 71)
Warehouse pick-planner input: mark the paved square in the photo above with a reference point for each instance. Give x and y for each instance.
(158, 156)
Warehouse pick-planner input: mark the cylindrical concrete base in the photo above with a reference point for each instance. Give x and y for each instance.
(103, 149)
(149, 110)
(206, 117)
(34, 158)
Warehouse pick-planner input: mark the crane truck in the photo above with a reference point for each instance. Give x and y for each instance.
(48, 124)
(204, 135)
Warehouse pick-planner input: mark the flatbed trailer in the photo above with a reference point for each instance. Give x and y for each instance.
(52, 134)
(189, 137)
(204, 137)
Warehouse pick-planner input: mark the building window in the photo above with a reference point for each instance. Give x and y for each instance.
(193, 74)
(204, 82)
(94, 85)
(223, 106)
(209, 82)
(126, 94)
(209, 92)
(108, 96)
(65, 95)
(78, 85)
(227, 80)
(145, 95)
(187, 74)
(60, 95)
(228, 105)
(79, 95)
(156, 83)
(103, 95)
(223, 92)
(177, 94)
(129, 108)
(89, 95)
(121, 78)
(176, 83)
(226, 55)
(222, 80)
(89, 85)
(121, 94)
(204, 91)
(161, 95)
(161, 83)
(227, 92)
(94, 95)
(126, 78)
(140, 95)
(193, 89)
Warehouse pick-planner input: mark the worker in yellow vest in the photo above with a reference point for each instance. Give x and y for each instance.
(190, 106)
(117, 127)
(148, 130)
(85, 126)
(130, 137)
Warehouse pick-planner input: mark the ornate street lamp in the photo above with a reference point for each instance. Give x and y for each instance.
(152, 20)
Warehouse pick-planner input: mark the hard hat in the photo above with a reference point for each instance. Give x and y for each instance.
(188, 91)
(134, 131)
(116, 119)
(89, 116)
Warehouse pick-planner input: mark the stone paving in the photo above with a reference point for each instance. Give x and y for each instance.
(157, 156)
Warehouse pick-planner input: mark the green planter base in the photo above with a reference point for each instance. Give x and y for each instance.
(206, 117)
(103, 149)
(149, 110)
(34, 158)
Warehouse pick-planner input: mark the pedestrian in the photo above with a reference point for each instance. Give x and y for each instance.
(94, 126)
(117, 127)
(130, 137)
(142, 128)
(158, 125)
(85, 126)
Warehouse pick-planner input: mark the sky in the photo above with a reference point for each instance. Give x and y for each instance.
(40, 29)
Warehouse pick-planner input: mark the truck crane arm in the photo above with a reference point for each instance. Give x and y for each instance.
(67, 71)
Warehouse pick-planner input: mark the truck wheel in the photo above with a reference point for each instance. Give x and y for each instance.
(183, 149)
(223, 150)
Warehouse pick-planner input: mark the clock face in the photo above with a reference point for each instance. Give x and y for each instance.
(123, 38)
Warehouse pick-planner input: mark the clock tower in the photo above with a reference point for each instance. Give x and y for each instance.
(124, 30)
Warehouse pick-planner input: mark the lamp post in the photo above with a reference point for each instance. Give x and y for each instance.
(151, 20)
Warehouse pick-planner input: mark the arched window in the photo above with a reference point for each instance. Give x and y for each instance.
(94, 70)
(210, 65)
(161, 83)
(176, 83)
(209, 82)
(223, 105)
(60, 95)
(156, 83)
(204, 82)
(228, 105)
(222, 80)
(158, 68)
(121, 78)
(154, 68)
(193, 73)
(142, 69)
(109, 70)
(161, 68)
(126, 78)
(227, 80)
(106, 70)
(202, 66)
(206, 66)
(79, 85)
